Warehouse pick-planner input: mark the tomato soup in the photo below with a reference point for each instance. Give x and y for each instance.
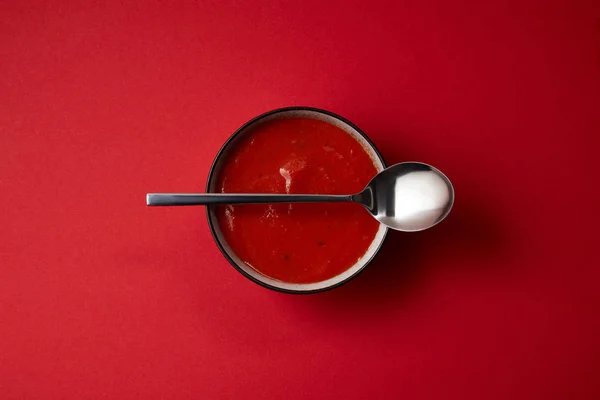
(297, 243)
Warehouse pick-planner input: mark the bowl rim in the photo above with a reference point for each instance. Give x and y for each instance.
(211, 176)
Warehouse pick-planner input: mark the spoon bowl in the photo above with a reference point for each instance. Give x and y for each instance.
(408, 197)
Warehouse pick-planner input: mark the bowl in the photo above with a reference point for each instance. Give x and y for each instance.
(222, 158)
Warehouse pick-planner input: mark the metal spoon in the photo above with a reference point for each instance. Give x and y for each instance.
(408, 197)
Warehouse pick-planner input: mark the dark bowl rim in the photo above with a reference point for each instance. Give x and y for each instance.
(211, 173)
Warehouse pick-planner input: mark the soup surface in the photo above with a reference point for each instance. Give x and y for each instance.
(297, 243)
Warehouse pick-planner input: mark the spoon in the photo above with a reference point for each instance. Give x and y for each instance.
(409, 197)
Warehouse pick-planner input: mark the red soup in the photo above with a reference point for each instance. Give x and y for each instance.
(297, 243)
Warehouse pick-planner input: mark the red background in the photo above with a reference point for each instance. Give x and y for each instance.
(101, 297)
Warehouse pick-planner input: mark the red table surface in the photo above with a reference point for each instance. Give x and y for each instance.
(102, 297)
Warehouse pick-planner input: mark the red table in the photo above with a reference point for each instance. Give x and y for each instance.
(101, 297)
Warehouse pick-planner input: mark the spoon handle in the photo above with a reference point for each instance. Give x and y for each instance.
(196, 199)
